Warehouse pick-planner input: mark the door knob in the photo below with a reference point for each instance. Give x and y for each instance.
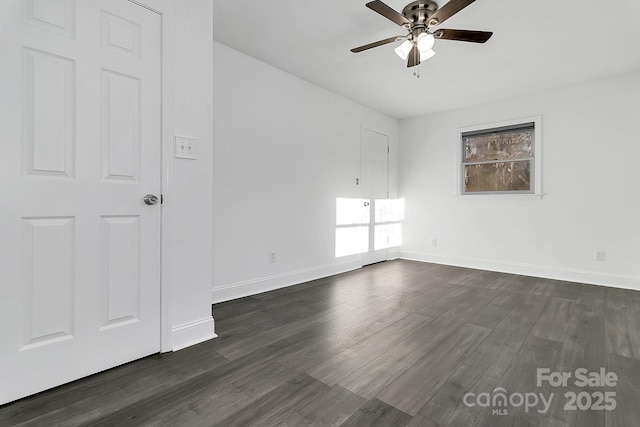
(150, 199)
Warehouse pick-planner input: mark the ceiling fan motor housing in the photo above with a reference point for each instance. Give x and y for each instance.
(420, 11)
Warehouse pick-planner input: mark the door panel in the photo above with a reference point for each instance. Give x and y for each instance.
(120, 126)
(121, 287)
(81, 119)
(48, 126)
(55, 16)
(48, 260)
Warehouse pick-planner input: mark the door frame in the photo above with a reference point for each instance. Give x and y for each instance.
(165, 10)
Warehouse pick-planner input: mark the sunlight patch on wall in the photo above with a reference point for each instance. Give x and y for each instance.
(353, 232)
(352, 211)
(388, 228)
(387, 236)
(351, 240)
(389, 210)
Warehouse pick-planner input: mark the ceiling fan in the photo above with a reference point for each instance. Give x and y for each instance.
(418, 18)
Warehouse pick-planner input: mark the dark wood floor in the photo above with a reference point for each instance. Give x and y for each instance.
(393, 344)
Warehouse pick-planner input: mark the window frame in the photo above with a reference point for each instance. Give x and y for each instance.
(535, 159)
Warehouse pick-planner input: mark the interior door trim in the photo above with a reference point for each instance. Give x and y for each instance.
(165, 10)
(363, 128)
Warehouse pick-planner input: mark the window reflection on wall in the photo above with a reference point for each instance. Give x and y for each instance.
(352, 229)
(352, 211)
(351, 240)
(389, 214)
(354, 221)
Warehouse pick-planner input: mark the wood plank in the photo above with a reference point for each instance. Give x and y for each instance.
(315, 349)
(524, 284)
(439, 306)
(420, 421)
(347, 361)
(432, 370)
(500, 282)
(470, 306)
(279, 407)
(592, 297)
(378, 414)
(622, 323)
(627, 391)
(251, 343)
(478, 373)
(551, 422)
(332, 408)
(583, 347)
(567, 290)
(524, 313)
(521, 377)
(216, 405)
(584, 341)
(542, 287)
(492, 314)
(553, 321)
(429, 292)
(374, 376)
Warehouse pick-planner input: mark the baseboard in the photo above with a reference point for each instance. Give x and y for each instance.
(265, 284)
(543, 271)
(192, 333)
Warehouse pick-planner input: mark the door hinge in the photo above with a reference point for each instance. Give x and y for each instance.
(161, 199)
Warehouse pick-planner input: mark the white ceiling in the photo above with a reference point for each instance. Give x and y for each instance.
(536, 45)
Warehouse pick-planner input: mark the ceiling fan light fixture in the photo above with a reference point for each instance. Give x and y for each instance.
(403, 50)
(426, 54)
(425, 42)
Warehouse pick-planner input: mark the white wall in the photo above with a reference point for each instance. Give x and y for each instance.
(284, 151)
(190, 198)
(591, 148)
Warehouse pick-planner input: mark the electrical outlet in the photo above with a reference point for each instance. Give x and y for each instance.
(434, 242)
(186, 148)
(272, 257)
(599, 255)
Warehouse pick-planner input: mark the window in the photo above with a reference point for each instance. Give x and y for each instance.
(500, 159)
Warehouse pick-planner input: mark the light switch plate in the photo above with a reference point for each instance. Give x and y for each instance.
(186, 148)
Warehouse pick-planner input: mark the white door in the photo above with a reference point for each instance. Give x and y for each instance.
(80, 147)
(375, 189)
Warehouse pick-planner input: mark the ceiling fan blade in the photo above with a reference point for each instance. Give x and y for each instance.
(447, 11)
(376, 44)
(463, 35)
(414, 57)
(387, 12)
